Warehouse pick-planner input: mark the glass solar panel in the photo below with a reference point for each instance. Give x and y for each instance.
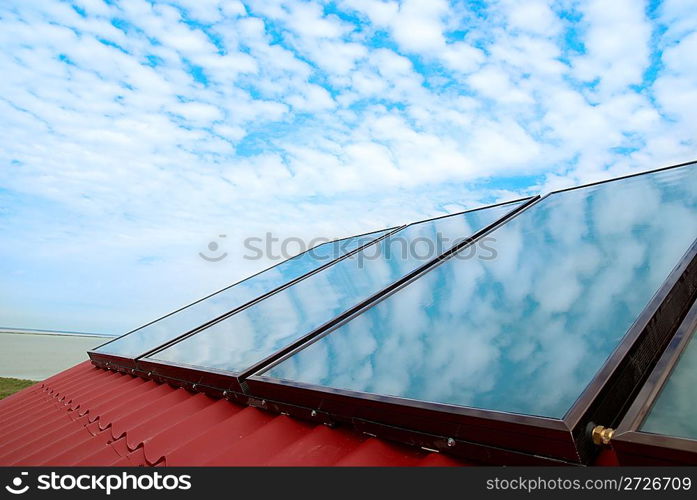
(674, 413)
(526, 331)
(249, 336)
(154, 334)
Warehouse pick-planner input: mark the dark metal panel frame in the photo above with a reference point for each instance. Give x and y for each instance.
(635, 447)
(105, 359)
(481, 453)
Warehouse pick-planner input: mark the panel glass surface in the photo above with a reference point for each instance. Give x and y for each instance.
(525, 331)
(675, 411)
(165, 329)
(251, 335)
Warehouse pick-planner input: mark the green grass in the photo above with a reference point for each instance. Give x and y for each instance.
(9, 386)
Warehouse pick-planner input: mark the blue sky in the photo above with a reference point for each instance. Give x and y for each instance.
(134, 133)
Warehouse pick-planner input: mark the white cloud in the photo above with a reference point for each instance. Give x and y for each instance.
(617, 44)
(418, 26)
(494, 83)
(535, 16)
(462, 57)
(676, 90)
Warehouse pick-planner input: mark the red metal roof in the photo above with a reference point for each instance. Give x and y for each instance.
(88, 416)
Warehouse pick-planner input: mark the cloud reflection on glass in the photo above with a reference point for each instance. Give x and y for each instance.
(255, 333)
(527, 331)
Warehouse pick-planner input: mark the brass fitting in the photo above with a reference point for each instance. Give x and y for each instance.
(602, 435)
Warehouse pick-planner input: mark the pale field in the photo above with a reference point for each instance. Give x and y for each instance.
(36, 357)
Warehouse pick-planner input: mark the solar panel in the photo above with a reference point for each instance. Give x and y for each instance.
(154, 334)
(524, 337)
(252, 336)
(661, 425)
(675, 411)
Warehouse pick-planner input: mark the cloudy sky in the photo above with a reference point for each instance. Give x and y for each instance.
(134, 133)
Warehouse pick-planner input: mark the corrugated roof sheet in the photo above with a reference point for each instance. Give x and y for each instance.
(88, 416)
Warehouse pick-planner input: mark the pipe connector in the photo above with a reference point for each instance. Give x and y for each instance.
(602, 435)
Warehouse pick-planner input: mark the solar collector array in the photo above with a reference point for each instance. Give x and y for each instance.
(512, 343)
(569, 277)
